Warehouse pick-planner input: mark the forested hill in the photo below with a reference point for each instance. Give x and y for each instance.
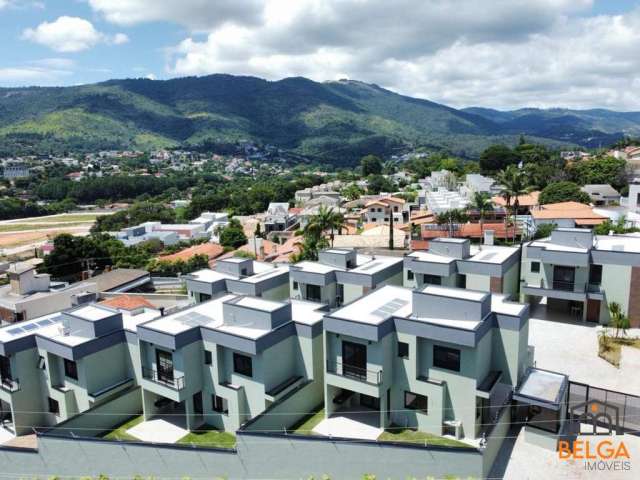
(331, 121)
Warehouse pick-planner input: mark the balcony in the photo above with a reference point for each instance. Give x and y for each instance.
(163, 378)
(558, 289)
(567, 286)
(10, 385)
(373, 377)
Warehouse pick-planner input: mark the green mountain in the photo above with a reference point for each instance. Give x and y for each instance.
(331, 121)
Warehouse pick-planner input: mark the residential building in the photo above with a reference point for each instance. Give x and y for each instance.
(53, 367)
(134, 235)
(239, 275)
(581, 273)
(29, 294)
(440, 179)
(213, 222)
(476, 183)
(224, 361)
(311, 210)
(209, 250)
(566, 215)
(454, 262)
(11, 171)
(602, 194)
(342, 275)
(526, 202)
(381, 210)
(437, 359)
(442, 200)
(279, 218)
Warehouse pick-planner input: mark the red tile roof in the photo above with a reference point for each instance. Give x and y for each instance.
(211, 250)
(127, 302)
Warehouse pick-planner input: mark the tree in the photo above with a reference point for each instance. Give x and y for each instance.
(73, 255)
(563, 192)
(452, 217)
(618, 319)
(497, 157)
(607, 170)
(514, 184)
(371, 165)
(481, 201)
(232, 235)
(352, 192)
(544, 230)
(378, 183)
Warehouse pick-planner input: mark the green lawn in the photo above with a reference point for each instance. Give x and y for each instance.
(120, 433)
(304, 426)
(18, 227)
(399, 434)
(66, 217)
(207, 436)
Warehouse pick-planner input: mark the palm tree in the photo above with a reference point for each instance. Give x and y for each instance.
(514, 184)
(481, 201)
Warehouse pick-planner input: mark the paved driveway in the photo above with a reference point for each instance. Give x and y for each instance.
(572, 348)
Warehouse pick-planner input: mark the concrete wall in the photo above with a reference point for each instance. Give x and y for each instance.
(257, 457)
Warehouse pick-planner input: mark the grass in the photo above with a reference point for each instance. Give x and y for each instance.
(19, 227)
(307, 423)
(399, 434)
(120, 433)
(207, 436)
(66, 217)
(610, 348)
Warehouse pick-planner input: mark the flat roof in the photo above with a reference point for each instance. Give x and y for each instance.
(202, 314)
(543, 386)
(92, 312)
(316, 267)
(376, 264)
(13, 332)
(500, 304)
(266, 274)
(307, 313)
(210, 276)
(547, 244)
(493, 254)
(427, 256)
(257, 303)
(619, 243)
(131, 319)
(457, 293)
(378, 306)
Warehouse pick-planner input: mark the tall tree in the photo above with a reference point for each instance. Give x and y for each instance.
(371, 165)
(481, 201)
(514, 184)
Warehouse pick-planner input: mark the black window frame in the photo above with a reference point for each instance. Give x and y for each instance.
(415, 404)
(410, 275)
(595, 274)
(217, 404)
(70, 369)
(535, 267)
(403, 350)
(295, 285)
(208, 357)
(432, 279)
(443, 356)
(53, 405)
(240, 363)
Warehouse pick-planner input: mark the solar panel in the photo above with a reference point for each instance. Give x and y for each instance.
(29, 326)
(15, 331)
(46, 321)
(194, 319)
(390, 308)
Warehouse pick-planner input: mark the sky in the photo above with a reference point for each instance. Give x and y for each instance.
(500, 53)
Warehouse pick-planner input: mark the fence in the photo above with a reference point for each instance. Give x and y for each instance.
(621, 406)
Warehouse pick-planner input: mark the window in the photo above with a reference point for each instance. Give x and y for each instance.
(208, 360)
(314, 293)
(295, 286)
(53, 406)
(595, 275)
(403, 350)
(217, 404)
(410, 275)
(70, 369)
(535, 267)
(242, 365)
(5, 368)
(395, 209)
(414, 401)
(41, 363)
(432, 279)
(444, 357)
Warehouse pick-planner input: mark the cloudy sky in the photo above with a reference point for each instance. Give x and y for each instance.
(498, 53)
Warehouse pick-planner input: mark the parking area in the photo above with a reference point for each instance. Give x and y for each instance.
(572, 348)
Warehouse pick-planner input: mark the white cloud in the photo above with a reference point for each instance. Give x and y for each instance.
(70, 35)
(503, 53)
(33, 75)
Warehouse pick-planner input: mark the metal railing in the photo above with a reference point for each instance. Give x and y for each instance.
(163, 378)
(10, 384)
(357, 373)
(565, 286)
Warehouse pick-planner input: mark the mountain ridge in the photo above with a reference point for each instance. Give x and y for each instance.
(333, 121)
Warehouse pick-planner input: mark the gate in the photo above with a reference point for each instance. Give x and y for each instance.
(623, 407)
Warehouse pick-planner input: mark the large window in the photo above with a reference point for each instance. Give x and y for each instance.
(444, 357)
(164, 361)
(242, 365)
(5, 368)
(218, 404)
(70, 369)
(431, 279)
(595, 274)
(414, 401)
(409, 275)
(313, 293)
(208, 358)
(535, 267)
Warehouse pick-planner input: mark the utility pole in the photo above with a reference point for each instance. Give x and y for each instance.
(390, 227)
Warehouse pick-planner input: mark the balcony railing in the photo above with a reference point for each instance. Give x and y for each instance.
(10, 384)
(163, 378)
(565, 286)
(357, 373)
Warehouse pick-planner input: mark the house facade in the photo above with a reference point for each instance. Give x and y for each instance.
(578, 272)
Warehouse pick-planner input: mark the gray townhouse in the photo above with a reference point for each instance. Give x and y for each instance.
(441, 360)
(53, 367)
(239, 275)
(578, 272)
(224, 361)
(342, 275)
(454, 262)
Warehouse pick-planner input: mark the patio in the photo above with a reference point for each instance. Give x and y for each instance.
(354, 422)
(5, 435)
(160, 429)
